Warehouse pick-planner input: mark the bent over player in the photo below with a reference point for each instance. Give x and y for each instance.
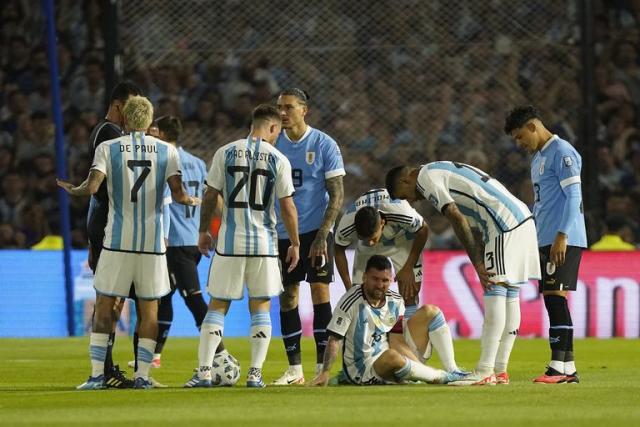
(504, 257)
(136, 167)
(555, 173)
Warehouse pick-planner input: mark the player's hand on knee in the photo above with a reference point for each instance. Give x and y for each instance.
(406, 283)
(205, 243)
(293, 256)
(322, 380)
(485, 277)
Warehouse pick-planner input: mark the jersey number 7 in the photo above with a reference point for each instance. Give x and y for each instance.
(131, 164)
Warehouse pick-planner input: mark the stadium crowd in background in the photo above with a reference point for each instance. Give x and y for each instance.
(383, 106)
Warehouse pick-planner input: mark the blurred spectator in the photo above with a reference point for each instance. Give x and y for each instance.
(617, 236)
(14, 199)
(10, 238)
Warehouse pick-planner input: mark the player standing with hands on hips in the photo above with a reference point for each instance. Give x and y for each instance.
(559, 215)
(317, 172)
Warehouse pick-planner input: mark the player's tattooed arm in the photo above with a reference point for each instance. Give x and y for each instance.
(209, 205)
(335, 189)
(334, 343)
(89, 187)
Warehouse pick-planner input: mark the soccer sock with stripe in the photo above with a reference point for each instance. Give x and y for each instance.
(291, 329)
(410, 310)
(413, 370)
(210, 336)
(494, 321)
(558, 329)
(569, 363)
(440, 338)
(98, 352)
(321, 318)
(146, 347)
(510, 332)
(165, 317)
(260, 336)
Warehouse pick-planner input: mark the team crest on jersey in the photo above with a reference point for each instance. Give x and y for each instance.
(567, 161)
(311, 157)
(541, 170)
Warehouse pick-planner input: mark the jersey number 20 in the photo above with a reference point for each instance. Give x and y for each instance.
(251, 177)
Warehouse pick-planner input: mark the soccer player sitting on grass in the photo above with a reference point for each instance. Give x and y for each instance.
(362, 320)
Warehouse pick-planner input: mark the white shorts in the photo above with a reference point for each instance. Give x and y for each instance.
(398, 255)
(369, 375)
(117, 270)
(228, 275)
(412, 345)
(513, 256)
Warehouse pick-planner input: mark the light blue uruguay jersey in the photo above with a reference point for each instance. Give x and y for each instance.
(185, 220)
(251, 175)
(137, 167)
(402, 222)
(364, 328)
(554, 169)
(314, 158)
(483, 200)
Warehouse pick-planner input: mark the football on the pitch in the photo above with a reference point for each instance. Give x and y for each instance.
(225, 370)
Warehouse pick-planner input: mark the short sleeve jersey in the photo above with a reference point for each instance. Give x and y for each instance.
(401, 220)
(483, 200)
(251, 175)
(137, 167)
(364, 328)
(554, 169)
(314, 158)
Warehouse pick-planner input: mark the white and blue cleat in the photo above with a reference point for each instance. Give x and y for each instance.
(196, 382)
(254, 378)
(93, 383)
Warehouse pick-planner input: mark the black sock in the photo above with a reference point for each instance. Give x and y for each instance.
(165, 317)
(108, 361)
(135, 351)
(559, 325)
(321, 318)
(291, 329)
(568, 353)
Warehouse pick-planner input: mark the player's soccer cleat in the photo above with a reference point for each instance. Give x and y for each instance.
(573, 378)
(115, 378)
(157, 384)
(142, 384)
(551, 376)
(196, 382)
(475, 379)
(290, 377)
(93, 383)
(502, 378)
(254, 378)
(455, 376)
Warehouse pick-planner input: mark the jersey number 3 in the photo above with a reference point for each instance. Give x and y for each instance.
(251, 177)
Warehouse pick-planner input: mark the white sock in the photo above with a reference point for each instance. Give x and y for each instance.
(260, 336)
(569, 368)
(494, 319)
(98, 352)
(211, 332)
(413, 370)
(440, 338)
(296, 369)
(510, 332)
(557, 365)
(146, 346)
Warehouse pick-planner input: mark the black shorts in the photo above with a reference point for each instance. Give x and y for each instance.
(96, 223)
(304, 271)
(563, 278)
(182, 263)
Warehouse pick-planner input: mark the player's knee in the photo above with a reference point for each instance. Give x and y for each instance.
(102, 320)
(289, 298)
(430, 310)
(320, 293)
(395, 358)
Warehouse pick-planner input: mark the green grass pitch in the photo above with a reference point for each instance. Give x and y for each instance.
(38, 376)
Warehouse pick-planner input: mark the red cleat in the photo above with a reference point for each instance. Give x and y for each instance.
(551, 377)
(502, 378)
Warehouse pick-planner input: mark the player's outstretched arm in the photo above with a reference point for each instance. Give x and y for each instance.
(210, 200)
(178, 194)
(474, 247)
(89, 187)
(330, 355)
(342, 265)
(335, 188)
(289, 215)
(405, 276)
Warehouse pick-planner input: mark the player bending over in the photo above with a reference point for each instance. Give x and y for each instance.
(362, 321)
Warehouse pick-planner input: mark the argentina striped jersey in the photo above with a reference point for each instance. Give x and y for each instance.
(137, 167)
(483, 200)
(401, 220)
(364, 328)
(250, 174)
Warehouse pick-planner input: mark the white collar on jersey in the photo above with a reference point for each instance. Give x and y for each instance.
(546, 144)
(306, 134)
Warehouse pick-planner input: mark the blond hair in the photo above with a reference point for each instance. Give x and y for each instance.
(138, 113)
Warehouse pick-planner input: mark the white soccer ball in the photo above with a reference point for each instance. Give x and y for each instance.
(225, 370)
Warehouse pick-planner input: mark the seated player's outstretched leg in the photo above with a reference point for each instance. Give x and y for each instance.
(394, 367)
(428, 328)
